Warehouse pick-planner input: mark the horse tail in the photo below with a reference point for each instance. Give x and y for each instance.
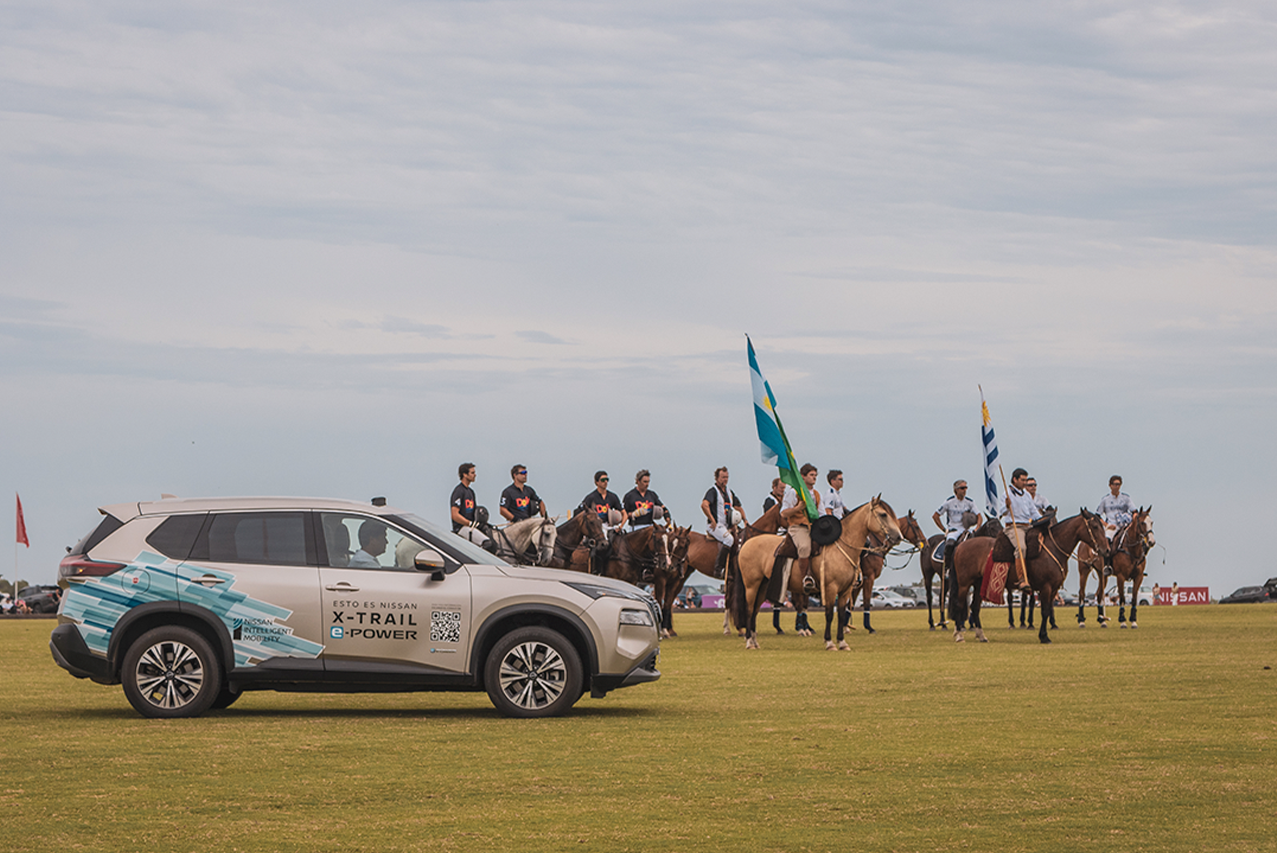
(737, 607)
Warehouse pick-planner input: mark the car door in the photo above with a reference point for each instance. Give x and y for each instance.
(382, 614)
(256, 571)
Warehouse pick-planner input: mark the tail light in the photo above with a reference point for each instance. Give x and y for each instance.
(80, 566)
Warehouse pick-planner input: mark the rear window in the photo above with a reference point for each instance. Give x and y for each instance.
(108, 525)
(176, 535)
(253, 537)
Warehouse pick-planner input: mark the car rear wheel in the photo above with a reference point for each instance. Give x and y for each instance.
(534, 672)
(171, 671)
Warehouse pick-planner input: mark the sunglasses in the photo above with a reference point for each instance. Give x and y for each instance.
(601, 480)
(524, 471)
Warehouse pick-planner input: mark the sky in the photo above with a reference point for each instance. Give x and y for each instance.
(310, 248)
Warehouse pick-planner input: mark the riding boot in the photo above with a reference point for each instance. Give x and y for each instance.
(720, 564)
(809, 583)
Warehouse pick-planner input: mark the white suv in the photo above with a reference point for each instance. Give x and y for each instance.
(189, 603)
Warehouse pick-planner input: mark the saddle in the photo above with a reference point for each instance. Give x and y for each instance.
(1004, 550)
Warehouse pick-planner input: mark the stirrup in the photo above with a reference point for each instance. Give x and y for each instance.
(809, 584)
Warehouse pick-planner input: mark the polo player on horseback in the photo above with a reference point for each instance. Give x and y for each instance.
(717, 505)
(1022, 521)
(1117, 509)
(951, 518)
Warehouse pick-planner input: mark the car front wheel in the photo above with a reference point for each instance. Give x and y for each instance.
(171, 671)
(534, 672)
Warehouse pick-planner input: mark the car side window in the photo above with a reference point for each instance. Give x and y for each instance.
(253, 537)
(364, 542)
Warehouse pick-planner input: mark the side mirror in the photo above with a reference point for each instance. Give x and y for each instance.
(429, 560)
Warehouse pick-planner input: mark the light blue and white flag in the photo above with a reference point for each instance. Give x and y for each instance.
(771, 435)
(992, 467)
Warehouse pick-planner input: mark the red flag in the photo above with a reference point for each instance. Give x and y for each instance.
(22, 525)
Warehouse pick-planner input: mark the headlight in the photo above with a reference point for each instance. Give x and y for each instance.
(636, 617)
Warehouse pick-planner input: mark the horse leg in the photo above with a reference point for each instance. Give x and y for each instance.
(1083, 571)
(926, 581)
(1048, 608)
(776, 620)
(975, 616)
(1032, 605)
(1121, 602)
(1137, 580)
(867, 605)
(1010, 609)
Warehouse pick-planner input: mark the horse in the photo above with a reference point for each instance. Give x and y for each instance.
(1045, 570)
(575, 542)
(1130, 550)
(669, 583)
(514, 539)
(641, 552)
(932, 567)
(873, 558)
(836, 567)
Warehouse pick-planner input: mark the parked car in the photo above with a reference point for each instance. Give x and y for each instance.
(1247, 595)
(188, 603)
(892, 600)
(40, 598)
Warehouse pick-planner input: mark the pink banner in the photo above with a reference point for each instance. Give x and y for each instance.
(1187, 595)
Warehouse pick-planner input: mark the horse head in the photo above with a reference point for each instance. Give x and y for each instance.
(679, 541)
(888, 526)
(548, 535)
(911, 530)
(1095, 532)
(1142, 523)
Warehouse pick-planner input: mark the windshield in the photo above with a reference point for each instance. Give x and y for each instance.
(462, 549)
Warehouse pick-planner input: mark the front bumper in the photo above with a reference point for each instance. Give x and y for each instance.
(72, 654)
(601, 685)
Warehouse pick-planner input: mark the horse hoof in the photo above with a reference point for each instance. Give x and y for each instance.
(958, 638)
(1104, 624)
(1081, 624)
(1044, 640)
(932, 628)
(830, 647)
(780, 630)
(872, 631)
(1121, 625)
(843, 647)
(1133, 625)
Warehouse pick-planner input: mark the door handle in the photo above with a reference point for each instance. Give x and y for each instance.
(208, 580)
(342, 587)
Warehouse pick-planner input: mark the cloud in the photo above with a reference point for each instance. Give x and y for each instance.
(536, 336)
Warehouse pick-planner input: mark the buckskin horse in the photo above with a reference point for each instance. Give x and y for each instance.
(836, 568)
(1130, 547)
(873, 558)
(1045, 570)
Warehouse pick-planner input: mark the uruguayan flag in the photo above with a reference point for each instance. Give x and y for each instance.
(991, 465)
(775, 446)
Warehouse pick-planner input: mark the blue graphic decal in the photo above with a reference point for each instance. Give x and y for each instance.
(97, 606)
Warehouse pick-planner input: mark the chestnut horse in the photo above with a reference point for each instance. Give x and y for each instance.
(1045, 570)
(874, 557)
(702, 555)
(1130, 546)
(836, 568)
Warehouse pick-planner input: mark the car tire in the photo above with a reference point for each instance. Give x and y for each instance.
(534, 672)
(170, 672)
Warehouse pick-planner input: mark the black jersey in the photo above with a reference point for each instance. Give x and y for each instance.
(464, 500)
(769, 503)
(713, 496)
(520, 503)
(600, 504)
(640, 506)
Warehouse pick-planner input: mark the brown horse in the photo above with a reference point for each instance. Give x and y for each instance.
(1130, 546)
(931, 567)
(836, 568)
(1045, 570)
(873, 558)
(668, 584)
(702, 554)
(575, 541)
(642, 552)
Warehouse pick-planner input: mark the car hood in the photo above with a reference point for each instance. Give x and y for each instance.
(565, 576)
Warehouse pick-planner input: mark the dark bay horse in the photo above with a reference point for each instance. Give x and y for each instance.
(874, 557)
(836, 568)
(1131, 545)
(642, 552)
(1045, 570)
(931, 567)
(575, 541)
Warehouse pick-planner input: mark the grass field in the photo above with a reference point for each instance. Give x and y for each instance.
(1164, 738)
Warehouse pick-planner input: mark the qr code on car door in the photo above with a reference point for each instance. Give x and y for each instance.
(445, 626)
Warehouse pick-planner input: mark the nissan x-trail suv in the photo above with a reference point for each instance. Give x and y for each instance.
(188, 603)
